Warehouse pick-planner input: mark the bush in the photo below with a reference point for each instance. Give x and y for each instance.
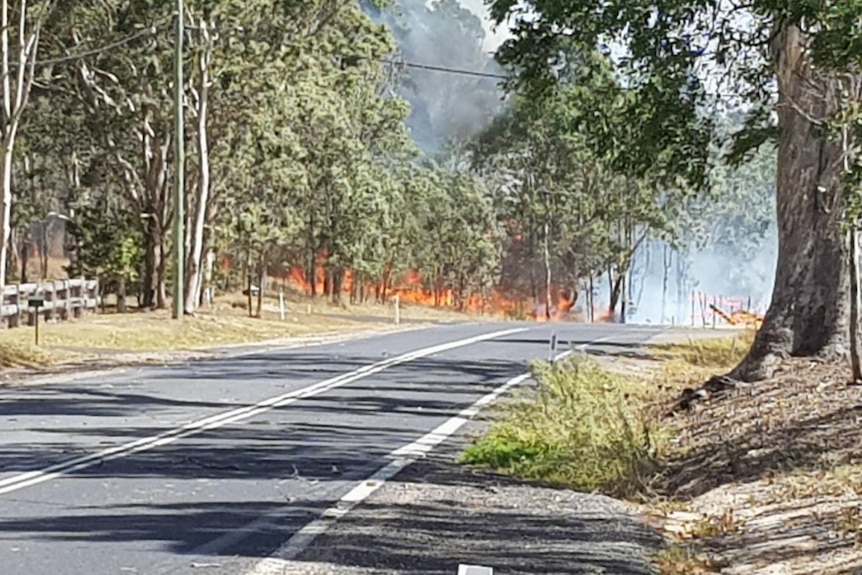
(581, 428)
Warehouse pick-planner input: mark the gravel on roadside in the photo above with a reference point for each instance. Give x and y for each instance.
(437, 514)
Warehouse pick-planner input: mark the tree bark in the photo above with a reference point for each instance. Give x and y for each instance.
(121, 295)
(44, 250)
(809, 312)
(249, 282)
(151, 264)
(546, 253)
(196, 248)
(25, 259)
(616, 292)
(855, 367)
(665, 271)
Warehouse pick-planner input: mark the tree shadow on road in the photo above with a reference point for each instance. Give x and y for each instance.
(287, 464)
(437, 514)
(428, 519)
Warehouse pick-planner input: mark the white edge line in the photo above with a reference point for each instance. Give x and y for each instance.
(28, 479)
(402, 458)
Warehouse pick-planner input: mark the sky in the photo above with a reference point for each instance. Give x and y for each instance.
(493, 39)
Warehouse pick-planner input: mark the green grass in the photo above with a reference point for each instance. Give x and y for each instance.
(582, 429)
(587, 429)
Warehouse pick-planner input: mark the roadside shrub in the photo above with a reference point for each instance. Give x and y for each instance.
(580, 428)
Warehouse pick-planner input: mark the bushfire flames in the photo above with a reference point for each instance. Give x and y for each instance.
(413, 289)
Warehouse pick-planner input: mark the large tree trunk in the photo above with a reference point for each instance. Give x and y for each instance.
(161, 276)
(809, 312)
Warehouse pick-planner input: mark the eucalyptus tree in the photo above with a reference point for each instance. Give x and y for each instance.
(796, 63)
(21, 24)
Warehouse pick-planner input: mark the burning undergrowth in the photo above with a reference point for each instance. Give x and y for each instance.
(513, 299)
(412, 288)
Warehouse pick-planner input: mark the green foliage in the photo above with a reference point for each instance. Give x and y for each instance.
(665, 51)
(301, 130)
(588, 206)
(106, 245)
(580, 429)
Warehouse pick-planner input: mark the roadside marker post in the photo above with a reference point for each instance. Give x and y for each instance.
(552, 351)
(35, 302)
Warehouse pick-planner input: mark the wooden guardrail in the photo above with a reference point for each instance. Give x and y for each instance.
(63, 300)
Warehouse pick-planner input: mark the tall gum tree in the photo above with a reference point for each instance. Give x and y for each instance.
(793, 61)
(20, 30)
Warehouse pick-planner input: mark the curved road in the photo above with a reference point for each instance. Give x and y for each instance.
(205, 466)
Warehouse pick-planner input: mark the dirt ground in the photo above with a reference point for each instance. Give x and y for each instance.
(765, 480)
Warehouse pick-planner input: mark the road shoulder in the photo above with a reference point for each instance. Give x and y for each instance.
(114, 363)
(437, 513)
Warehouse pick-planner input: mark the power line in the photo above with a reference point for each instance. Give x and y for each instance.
(404, 63)
(153, 30)
(446, 69)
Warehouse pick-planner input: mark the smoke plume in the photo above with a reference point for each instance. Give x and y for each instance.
(459, 96)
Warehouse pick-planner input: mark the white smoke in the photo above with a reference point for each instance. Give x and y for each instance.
(453, 101)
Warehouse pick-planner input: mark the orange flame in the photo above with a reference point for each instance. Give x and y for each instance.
(560, 310)
(606, 316)
(412, 288)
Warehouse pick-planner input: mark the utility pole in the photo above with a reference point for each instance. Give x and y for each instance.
(179, 170)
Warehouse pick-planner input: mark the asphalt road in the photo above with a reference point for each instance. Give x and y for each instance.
(200, 467)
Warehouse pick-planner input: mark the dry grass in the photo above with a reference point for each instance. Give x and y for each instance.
(698, 359)
(153, 335)
(23, 355)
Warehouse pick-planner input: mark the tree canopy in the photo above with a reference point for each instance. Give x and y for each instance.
(795, 68)
(359, 148)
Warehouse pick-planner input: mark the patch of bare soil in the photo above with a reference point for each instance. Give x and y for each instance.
(769, 476)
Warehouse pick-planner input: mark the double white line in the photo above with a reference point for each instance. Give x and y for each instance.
(28, 479)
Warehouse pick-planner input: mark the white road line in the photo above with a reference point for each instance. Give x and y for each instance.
(31, 478)
(403, 457)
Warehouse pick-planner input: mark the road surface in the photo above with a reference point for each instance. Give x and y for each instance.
(205, 466)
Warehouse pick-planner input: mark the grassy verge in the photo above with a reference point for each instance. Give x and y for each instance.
(766, 481)
(578, 429)
(590, 428)
(130, 336)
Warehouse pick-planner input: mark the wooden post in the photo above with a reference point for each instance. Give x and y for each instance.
(67, 300)
(397, 310)
(15, 318)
